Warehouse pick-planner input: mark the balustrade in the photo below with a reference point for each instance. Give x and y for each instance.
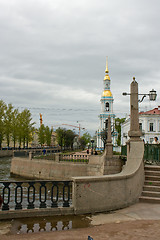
(35, 194)
(35, 152)
(78, 158)
(151, 153)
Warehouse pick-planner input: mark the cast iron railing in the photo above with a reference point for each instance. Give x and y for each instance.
(25, 152)
(151, 153)
(124, 150)
(35, 194)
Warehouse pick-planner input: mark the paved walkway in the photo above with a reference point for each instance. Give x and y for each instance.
(140, 221)
(139, 211)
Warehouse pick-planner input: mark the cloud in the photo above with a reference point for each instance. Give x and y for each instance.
(53, 53)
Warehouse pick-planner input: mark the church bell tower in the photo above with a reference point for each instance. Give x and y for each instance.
(106, 109)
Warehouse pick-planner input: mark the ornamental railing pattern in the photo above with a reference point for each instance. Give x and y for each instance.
(151, 153)
(35, 152)
(75, 158)
(35, 194)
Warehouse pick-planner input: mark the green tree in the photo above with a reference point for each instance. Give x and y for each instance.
(60, 135)
(14, 133)
(69, 139)
(2, 113)
(48, 134)
(20, 128)
(118, 122)
(41, 135)
(8, 123)
(84, 140)
(25, 127)
(65, 138)
(14, 125)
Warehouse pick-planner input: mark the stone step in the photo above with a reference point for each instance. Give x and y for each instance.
(151, 194)
(151, 188)
(152, 178)
(152, 168)
(152, 173)
(151, 183)
(149, 199)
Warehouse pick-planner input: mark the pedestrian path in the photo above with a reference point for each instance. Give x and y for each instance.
(138, 211)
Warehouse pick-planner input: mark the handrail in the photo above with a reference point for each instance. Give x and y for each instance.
(35, 194)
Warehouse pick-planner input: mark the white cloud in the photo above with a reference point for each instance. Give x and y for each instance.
(53, 52)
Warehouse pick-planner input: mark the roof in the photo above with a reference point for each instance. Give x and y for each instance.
(155, 111)
(106, 93)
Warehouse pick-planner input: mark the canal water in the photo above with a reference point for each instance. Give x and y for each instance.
(5, 164)
(40, 224)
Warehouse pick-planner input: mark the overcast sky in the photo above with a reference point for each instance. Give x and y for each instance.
(53, 56)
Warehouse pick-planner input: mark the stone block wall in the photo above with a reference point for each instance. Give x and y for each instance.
(47, 169)
(111, 192)
(6, 153)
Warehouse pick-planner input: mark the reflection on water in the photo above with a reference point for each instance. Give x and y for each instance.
(48, 224)
(5, 164)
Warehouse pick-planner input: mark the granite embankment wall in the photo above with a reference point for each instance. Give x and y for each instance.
(92, 194)
(6, 153)
(111, 192)
(58, 170)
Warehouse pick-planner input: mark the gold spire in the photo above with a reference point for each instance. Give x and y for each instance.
(106, 71)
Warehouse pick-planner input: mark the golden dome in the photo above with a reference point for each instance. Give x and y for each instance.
(106, 77)
(106, 93)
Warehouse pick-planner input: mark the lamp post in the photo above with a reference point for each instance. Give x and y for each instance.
(88, 146)
(88, 149)
(92, 141)
(134, 132)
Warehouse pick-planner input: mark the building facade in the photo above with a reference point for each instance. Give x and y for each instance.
(149, 124)
(106, 110)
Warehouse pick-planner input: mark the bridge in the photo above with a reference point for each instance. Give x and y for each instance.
(90, 194)
(49, 197)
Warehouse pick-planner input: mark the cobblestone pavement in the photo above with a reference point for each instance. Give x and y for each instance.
(138, 222)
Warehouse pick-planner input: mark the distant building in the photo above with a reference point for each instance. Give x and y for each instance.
(149, 124)
(106, 110)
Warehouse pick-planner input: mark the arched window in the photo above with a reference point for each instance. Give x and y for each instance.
(107, 106)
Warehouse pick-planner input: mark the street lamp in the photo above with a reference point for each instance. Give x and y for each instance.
(134, 132)
(92, 141)
(152, 95)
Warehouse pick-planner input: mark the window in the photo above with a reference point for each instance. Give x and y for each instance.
(107, 86)
(107, 106)
(140, 126)
(151, 127)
